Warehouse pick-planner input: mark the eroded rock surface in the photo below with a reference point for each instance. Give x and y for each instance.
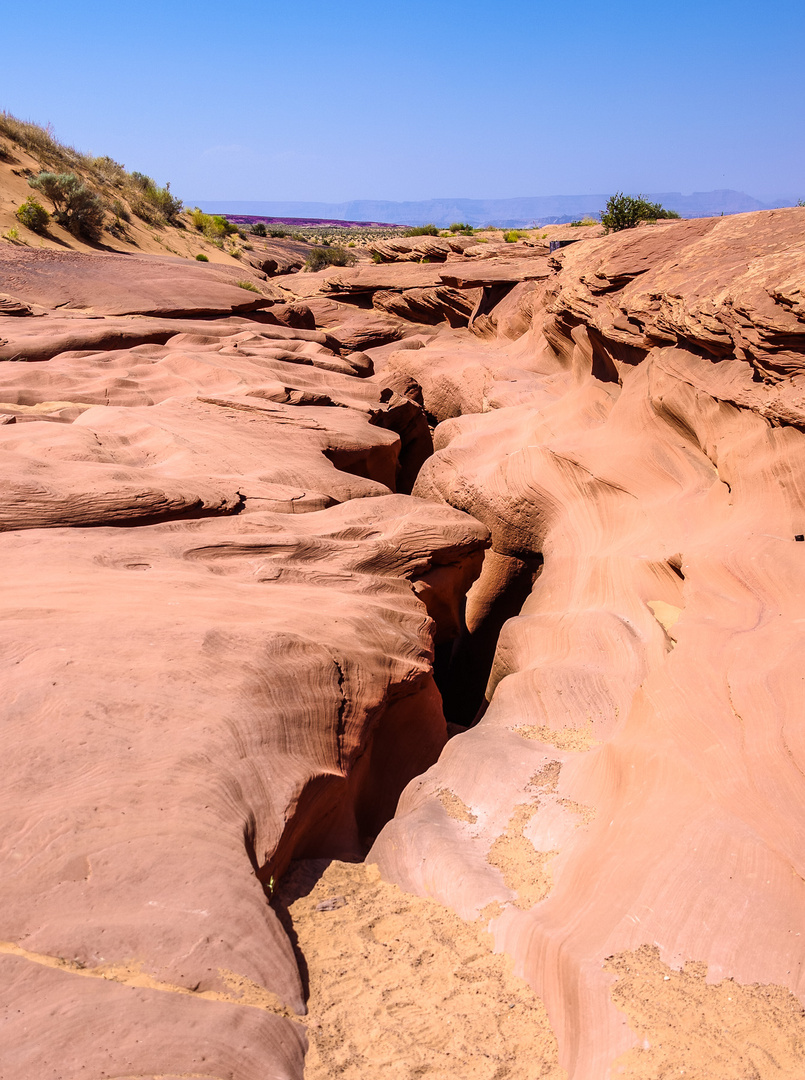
(637, 777)
(225, 617)
(217, 638)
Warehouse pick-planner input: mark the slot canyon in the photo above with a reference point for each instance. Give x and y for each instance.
(403, 662)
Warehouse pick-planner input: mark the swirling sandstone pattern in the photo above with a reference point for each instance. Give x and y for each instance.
(636, 781)
(220, 613)
(216, 641)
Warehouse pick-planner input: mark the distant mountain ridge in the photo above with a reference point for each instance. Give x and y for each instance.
(512, 213)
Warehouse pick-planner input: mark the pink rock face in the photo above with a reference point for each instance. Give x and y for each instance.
(121, 284)
(217, 636)
(221, 609)
(637, 776)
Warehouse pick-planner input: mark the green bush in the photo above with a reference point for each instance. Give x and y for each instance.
(512, 236)
(33, 215)
(76, 207)
(154, 204)
(259, 229)
(202, 258)
(320, 257)
(422, 230)
(625, 211)
(462, 227)
(247, 285)
(214, 226)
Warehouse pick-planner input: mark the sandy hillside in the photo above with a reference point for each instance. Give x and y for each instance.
(134, 234)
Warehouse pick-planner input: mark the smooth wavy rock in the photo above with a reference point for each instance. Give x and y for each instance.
(217, 640)
(187, 706)
(121, 284)
(636, 780)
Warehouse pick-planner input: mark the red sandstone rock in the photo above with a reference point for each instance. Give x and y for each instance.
(204, 685)
(636, 778)
(121, 284)
(162, 762)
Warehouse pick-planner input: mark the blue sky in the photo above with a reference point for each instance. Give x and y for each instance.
(315, 100)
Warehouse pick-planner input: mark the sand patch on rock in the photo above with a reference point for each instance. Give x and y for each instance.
(703, 1031)
(400, 987)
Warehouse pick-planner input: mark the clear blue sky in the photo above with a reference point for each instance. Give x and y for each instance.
(322, 100)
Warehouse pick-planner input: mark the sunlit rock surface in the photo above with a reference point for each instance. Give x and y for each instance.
(236, 574)
(636, 779)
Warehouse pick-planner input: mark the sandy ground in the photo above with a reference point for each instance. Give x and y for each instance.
(704, 1031)
(400, 987)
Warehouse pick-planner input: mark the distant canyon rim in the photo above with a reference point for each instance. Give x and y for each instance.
(403, 661)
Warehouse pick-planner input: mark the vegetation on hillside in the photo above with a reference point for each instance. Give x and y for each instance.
(626, 211)
(33, 215)
(87, 189)
(213, 226)
(75, 206)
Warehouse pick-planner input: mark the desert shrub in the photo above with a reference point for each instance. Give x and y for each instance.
(120, 210)
(422, 230)
(13, 234)
(76, 207)
(259, 229)
(278, 233)
(625, 211)
(85, 216)
(153, 204)
(512, 236)
(377, 257)
(247, 285)
(351, 244)
(214, 226)
(583, 222)
(462, 227)
(108, 170)
(5, 153)
(202, 258)
(58, 187)
(320, 257)
(33, 215)
(141, 181)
